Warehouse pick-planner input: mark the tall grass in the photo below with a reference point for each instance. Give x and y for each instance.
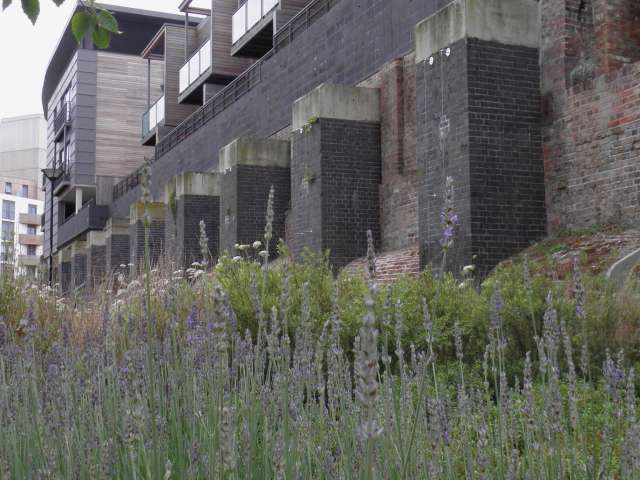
(254, 371)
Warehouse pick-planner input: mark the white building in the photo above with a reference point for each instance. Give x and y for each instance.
(21, 237)
(22, 155)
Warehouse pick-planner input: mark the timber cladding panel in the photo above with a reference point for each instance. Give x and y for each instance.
(222, 61)
(120, 102)
(174, 47)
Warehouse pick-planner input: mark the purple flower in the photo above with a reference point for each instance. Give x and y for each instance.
(192, 318)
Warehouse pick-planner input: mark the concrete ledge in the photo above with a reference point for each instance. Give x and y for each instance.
(619, 271)
(338, 102)
(262, 152)
(117, 226)
(510, 22)
(79, 247)
(138, 210)
(197, 183)
(97, 238)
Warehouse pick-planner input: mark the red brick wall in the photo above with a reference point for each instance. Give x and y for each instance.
(591, 92)
(398, 198)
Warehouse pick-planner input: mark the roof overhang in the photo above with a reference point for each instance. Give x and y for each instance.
(186, 7)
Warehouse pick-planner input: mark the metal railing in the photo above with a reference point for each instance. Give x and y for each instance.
(248, 15)
(62, 119)
(153, 117)
(127, 184)
(198, 63)
(246, 81)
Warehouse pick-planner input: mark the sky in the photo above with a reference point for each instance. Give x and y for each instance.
(25, 49)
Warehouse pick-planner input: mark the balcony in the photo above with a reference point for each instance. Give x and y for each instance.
(198, 66)
(252, 28)
(151, 119)
(28, 239)
(61, 183)
(62, 120)
(29, 219)
(90, 217)
(28, 260)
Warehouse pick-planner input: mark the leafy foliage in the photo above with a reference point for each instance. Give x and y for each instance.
(98, 22)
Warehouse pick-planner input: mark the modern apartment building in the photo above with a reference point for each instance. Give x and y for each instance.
(93, 101)
(21, 238)
(381, 115)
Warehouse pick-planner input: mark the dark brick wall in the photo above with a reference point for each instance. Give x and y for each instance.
(346, 46)
(137, 243)
(65, 276)
(117, 252)
(96, 264)
(336, 173)
(243, 204)
(79, 269)
(184, 230)
(489, 141)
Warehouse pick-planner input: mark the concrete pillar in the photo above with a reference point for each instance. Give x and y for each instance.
(117, 245)
(96, 257)
(78, 263)
(248, 169)
(189, 198)
(478, 121)
(156, 213)
(336, 170)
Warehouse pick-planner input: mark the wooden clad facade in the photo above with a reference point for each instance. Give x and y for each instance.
(221, 21)
(77, 86)
(121, 100)
(287, 10)
(174, 45)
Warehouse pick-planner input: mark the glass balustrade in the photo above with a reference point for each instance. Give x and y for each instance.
(153, 117)
(248, 15)
(197, 65)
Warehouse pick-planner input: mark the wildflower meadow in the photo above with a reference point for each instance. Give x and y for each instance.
(254, 367)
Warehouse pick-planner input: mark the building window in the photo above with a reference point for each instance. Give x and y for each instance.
(8, 188)
(32, 230)
(33, 209)
(31, 250)
(25, 191)
(8, 210)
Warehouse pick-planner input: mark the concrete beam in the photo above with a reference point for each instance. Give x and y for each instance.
(262, 152)
(97, 238)
(339, 102)
(139, 209)
(117, 226)
(510, 22)
(197, 183)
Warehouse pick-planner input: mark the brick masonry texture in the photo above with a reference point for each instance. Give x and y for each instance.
(117, 252)
(65, 276)
(78, 270)
(190, 210)
(592, 112)
(243, 204)
(391, 265)
(137, 243)
(335, 181)
(489, 141)
(398, 195)
(96, 264)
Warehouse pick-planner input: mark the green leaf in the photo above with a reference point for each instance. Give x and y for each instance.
(107, 21)
(80, 25)
(101, 37)
(58, 2)
(5, 4)
(31, 8)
